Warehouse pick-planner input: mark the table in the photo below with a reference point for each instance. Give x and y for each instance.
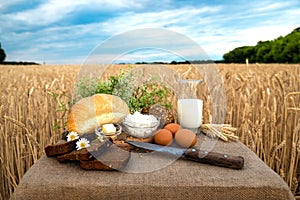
(182, 179)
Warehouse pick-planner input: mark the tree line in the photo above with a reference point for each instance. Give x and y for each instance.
(280, 50)
(2, 54)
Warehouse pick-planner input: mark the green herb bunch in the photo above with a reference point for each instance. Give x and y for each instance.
(150, 94)
(137, 97)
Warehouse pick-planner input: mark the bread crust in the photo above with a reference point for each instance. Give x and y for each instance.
(93, 111)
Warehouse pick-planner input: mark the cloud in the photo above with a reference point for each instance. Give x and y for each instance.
(163, 19)
(47, 31)
(49, 12)
(139, 55)
(212, 27)
(148, 44)
(66, 44)
(6, 5)
(267, 6)
(55, 10)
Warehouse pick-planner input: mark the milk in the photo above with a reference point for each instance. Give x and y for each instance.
(190, 113)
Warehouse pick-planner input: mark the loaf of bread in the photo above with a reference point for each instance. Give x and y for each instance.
(99, 109)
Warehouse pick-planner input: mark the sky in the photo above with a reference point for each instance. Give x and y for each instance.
(71, 31)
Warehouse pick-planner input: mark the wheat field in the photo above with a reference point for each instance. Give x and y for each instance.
(263, 102)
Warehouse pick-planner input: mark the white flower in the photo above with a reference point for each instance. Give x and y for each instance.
(72, 136)
(82, 143)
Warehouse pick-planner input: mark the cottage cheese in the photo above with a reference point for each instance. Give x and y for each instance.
(139, 125)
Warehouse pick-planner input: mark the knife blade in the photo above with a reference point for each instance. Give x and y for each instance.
(196, 155)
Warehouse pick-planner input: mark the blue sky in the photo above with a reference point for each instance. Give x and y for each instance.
(68, 31)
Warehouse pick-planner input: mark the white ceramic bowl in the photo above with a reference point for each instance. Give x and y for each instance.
(140, 131)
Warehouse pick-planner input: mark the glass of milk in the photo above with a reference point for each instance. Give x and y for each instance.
(189, 107)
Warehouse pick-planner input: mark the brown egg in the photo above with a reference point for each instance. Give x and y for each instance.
(173, 127)
(163, 137)
(185, 138)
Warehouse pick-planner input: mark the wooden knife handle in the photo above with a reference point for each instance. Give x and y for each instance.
(214, 158)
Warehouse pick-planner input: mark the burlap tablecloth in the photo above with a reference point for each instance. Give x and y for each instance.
(49, 179)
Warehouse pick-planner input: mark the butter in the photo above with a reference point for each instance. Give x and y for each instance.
(109, 129)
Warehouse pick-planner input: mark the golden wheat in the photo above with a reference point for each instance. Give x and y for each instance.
(28, 115)
(262, 103)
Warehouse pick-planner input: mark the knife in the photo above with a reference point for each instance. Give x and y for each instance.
(212, 158)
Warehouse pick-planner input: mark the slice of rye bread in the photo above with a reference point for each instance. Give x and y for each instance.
(61, 147)
(82, 154)
(94, 150)
(114, 158)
